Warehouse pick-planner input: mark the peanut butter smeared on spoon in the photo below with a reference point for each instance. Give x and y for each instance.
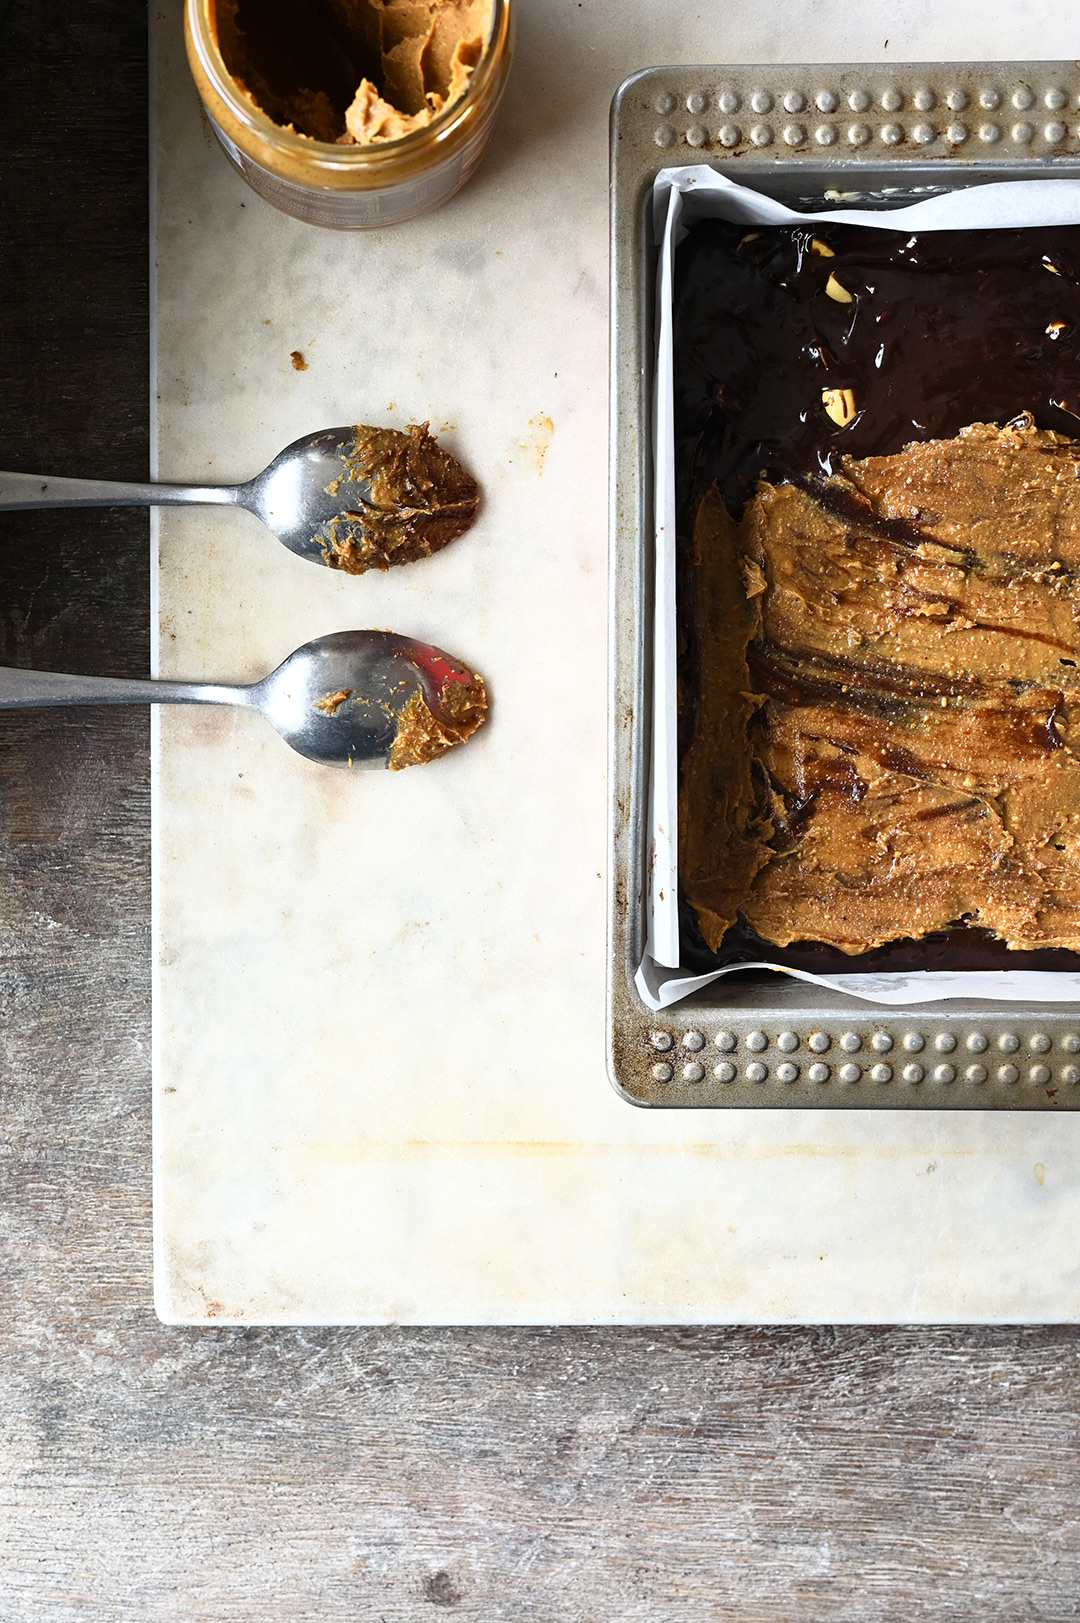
(351, 498)
(438, 702)
(432, 722)
(420, 497)
(364, 699)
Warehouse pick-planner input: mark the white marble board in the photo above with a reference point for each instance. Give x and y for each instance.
(380, 1090)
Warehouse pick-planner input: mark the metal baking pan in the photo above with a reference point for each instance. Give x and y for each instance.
(758, 1039)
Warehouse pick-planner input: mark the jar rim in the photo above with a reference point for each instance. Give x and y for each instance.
(328, 155)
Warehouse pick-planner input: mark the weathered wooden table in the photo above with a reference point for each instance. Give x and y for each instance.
(149, 1473)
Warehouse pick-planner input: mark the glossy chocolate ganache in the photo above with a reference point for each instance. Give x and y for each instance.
(879, 514)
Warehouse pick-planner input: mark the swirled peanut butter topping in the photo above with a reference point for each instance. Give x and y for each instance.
(887, 733)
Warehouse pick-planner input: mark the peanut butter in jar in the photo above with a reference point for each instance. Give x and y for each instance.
(351, 113)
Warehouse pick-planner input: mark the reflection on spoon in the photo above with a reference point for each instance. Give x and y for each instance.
(353, 699)
(352, 498)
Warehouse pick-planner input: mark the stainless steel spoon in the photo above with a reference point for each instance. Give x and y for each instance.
(355, 698)
(309, 496)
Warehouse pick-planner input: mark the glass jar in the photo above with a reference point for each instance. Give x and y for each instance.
(350, 187)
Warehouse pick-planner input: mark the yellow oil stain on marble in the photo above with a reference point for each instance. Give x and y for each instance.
(346, 1151)
(537, 441)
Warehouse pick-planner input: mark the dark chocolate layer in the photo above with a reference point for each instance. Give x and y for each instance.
(944, 328)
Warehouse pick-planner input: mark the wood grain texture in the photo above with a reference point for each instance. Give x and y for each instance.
(158, 1474)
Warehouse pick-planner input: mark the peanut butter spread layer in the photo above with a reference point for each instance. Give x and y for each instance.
(352, 72)
(887, 732)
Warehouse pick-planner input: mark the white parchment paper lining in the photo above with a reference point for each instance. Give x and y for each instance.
(681, 196)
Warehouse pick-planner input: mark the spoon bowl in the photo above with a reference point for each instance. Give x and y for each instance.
(369, 699)
(353, 499)
(305, 489)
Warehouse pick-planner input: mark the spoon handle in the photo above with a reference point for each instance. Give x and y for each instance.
(23, 690)
(26, 490)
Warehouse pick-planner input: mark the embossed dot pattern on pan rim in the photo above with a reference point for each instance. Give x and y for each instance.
(1054, 133)
(1046, 1050)
(819, 1040)
(892, 114)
